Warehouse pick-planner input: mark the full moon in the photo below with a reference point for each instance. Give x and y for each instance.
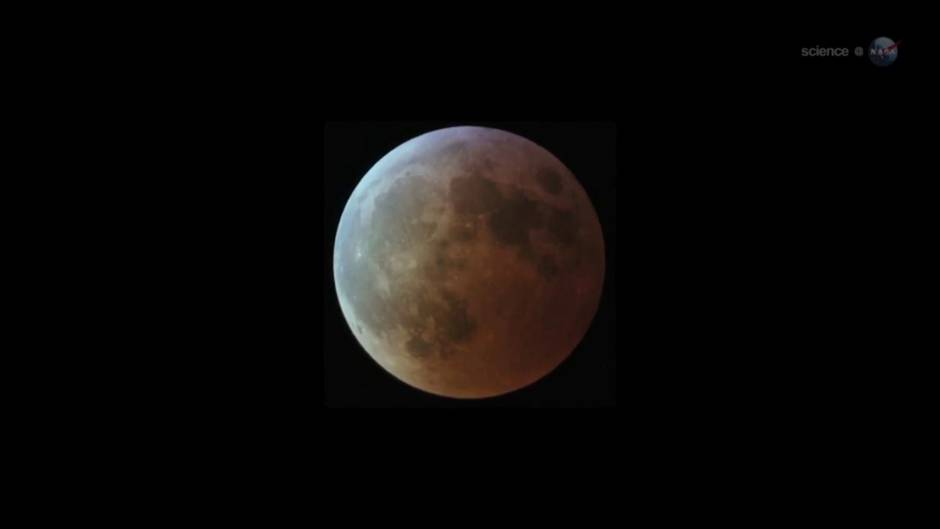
(469, 262)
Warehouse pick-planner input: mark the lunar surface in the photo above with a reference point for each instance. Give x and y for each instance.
(469, 262)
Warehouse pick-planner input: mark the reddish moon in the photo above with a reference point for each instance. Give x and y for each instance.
(469, 262)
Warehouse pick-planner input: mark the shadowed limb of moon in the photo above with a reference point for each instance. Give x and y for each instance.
(469, 262)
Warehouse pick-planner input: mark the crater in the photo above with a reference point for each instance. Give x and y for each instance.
(440, 324)
(474, 194)
(402, 217)
(463, 229)
(562, 225)
(453, 150)
(549, 180)
(456, 325)
(511, 222)
(418, 347)
(547, 267)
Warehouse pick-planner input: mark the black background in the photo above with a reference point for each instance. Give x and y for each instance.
(586, 379)
(774, 249)
(764, 204)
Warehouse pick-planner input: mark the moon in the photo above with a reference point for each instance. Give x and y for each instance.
(469, 262)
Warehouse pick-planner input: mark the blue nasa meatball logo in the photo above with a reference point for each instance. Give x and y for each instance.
(883, 51)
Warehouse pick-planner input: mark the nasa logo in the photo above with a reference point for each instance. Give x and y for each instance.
(883, 51)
